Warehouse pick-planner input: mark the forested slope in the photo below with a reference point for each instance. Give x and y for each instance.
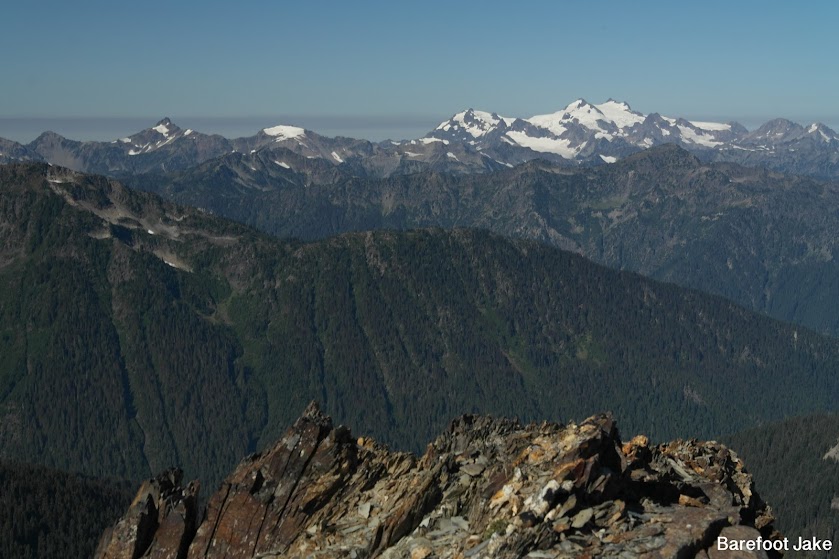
(141, 335)
(46, 514)
(795, 463)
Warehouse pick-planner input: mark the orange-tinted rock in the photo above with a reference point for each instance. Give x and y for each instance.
(160, 522)
(486, 488)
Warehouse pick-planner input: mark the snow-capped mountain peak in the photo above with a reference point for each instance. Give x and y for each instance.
(151, 139)
(165, 127)
(583, 131)
(284, 132)
(470, 124)
(608, 119)
(620, 113)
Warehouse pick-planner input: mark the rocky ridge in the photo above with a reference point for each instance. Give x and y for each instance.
(485, 488)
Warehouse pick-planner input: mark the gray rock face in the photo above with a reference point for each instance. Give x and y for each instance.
(486, 488)
(12, 152)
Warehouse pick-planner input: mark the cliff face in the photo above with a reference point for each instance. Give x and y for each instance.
(486, 488)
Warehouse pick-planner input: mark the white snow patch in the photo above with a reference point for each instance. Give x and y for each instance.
(427, 141)
(697, 137)
(620, 114)
(125, 140)
(281, 164)
(608, 158)
(832, 454)
(188, 132)
(551, 122)
(149, 231)
(452, 156)
(816, 128)
(546, 145)
(162, 129)
(283, 132)
(497, 160)
(412, 154)
(337, 157)
(715, 126)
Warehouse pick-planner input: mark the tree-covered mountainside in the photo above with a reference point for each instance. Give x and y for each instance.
(48, 514)
(795, 463)
(762, 239)
(136, 335)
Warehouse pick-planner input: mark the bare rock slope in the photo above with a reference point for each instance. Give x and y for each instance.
(486, 488)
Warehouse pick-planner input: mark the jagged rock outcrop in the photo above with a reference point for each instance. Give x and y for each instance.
(486, 488)
(160, 523)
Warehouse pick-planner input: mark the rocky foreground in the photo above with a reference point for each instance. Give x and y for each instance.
(486, 488)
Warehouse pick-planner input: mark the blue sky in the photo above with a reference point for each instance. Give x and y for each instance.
(416, 62)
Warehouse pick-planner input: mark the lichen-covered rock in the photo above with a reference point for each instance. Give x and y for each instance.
(486, 488)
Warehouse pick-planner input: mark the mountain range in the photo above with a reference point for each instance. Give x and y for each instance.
(137, 332)
(470, 141)
(763, 239)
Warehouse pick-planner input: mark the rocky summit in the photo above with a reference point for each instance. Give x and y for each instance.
(485, 488)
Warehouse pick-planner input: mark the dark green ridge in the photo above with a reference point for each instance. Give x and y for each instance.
(117, 363)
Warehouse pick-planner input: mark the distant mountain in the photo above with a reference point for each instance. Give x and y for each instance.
(471, 141)
(11, 152)
(163, 147)
(137, 334)
(582, 131)
(588, 133)
(763, 239)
